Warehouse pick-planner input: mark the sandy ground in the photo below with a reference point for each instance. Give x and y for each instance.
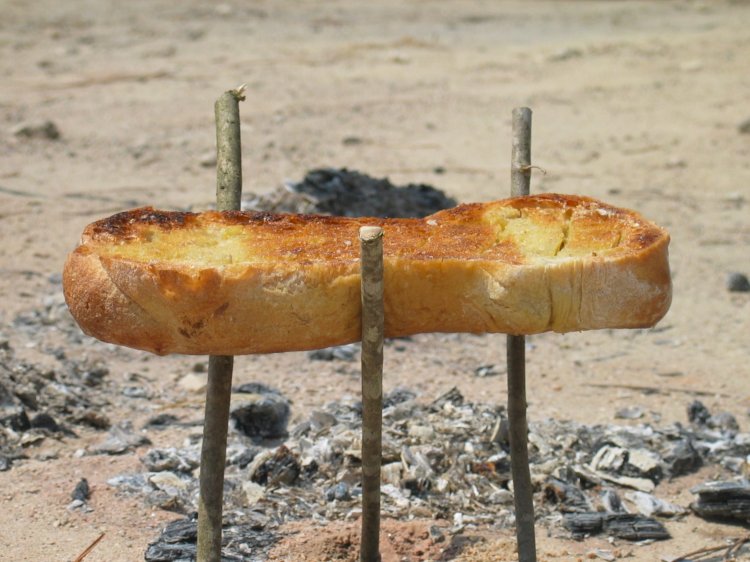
(637, 103)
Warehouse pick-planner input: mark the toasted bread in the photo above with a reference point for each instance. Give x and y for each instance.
(234, 283)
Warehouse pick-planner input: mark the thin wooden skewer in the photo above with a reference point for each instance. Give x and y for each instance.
(371, 263)
(219, 387)
(520, 176)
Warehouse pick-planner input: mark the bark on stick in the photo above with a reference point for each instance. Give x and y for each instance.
(371, 244)
(219, 387)
(520, 175)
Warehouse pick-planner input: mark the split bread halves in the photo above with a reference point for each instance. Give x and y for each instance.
(231, 283)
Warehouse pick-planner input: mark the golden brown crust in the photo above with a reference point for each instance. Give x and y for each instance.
(242, 282)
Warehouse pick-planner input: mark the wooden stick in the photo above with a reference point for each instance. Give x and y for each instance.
(371, 244)
(219, 387)
(89, 548)
(520, 175)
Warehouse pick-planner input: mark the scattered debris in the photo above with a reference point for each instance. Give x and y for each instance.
(349, 193)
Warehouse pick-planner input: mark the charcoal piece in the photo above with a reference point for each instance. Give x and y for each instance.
(722, 500)
(243, 458)
(44, 421)
(418, 487)
(262, 417)
(627, 526)
(256, 388)
(17, 420)
(161, 421)
(634, 527)
(95, 376)
(611, 501)
(177, 542)
(281, 467)
(584, 524)
(697, 412)
(681, 458)
(723, 421)
(452, 397)
(737, 282)
(568, 497)
(82, 491)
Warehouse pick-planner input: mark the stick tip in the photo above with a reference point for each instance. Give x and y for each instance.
(239, 92)
(369, 233)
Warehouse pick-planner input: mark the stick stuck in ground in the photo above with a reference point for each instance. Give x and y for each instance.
(219, 387)
(520, 176)
(371, 244)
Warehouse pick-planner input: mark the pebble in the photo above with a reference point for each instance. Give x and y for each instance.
(193, 382)
(737, 282)
(37, 130)
(744, 127)
(208, 160)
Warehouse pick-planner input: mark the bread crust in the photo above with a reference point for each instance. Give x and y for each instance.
(237, 283)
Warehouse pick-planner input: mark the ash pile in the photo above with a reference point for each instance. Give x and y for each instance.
(445, 460)
(348, 193)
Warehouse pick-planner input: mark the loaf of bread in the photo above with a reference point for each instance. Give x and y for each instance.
(234, 283)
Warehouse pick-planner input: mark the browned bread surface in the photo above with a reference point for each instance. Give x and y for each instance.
(235, 282)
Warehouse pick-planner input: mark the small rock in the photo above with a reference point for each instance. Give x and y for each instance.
(167, 481)
(698, 413)
(341, 352)
(82, 491)
(171, 459)
(277, 467)
(744, 127)
(737, 282)
(629, 413)
(339, 492)
(253, 492)
(135, 392)
(193, 382)
(121, 439)
(566, 54)
(723, 421)
(263, 416)
(161, 421)
(488, 371)
(208, 160)
(37, 130)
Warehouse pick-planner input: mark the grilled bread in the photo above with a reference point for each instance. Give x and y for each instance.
(232, 283)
